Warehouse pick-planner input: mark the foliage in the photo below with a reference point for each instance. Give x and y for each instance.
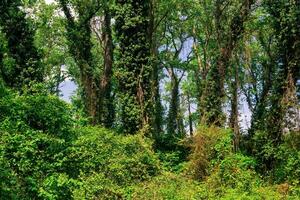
(173, 161)
(122, 159)
(166, 77)
(43, 156)
(209, 144)
(167, 186)
(38, 111)
(288, 160)
(23, 61)
(35, 131)
(177, 187)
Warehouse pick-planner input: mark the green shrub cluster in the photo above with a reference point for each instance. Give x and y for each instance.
(214, 171)
(46, 154)
(35, 132)
(108, 163)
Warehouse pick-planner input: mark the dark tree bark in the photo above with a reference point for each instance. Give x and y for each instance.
(234, 115)
(158, 109)
(190, 115)
(105, 101)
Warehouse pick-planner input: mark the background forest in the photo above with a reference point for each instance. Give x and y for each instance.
(175, 99)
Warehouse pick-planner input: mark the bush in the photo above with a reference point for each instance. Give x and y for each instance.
(236, 171)
(288, 160)
(279, 161)
(178, 187)
(38, 112)
(57, 186)
(209, 145)
(167, 186)
(172, 161)
(35, 131)
(108, 163)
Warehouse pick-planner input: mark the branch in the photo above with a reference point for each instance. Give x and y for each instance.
(92, 14)
(67, 12)
(161, 19)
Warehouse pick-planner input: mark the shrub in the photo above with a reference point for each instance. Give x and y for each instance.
(236, 171)
(35, 131)
(57, 186)
(38, 112)
(209, 145)
(167, 186)
(172, 161)
(108, 163)
(278, 160)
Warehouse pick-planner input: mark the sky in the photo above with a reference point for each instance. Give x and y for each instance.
(49, 1)
(68, 89)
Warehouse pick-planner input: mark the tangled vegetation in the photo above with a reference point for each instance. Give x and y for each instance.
(172, 99)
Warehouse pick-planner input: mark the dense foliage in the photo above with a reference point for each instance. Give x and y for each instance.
(194, 99)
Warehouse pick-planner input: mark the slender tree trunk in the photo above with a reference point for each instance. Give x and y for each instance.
(80, 47)
(172, 125)
(57, 80)
(234, 115)
(104, 97)
(259, 108)
(190, 115)
(157, 113)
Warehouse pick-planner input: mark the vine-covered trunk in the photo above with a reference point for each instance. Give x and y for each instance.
(134, 69)
(216, 91)
(173, 122)
(234, 115)
(157, 106)
(80, 46)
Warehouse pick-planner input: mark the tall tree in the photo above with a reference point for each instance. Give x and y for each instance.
(286, 17)
(234, 102)
(105, 101)
(134, 69)
(154, 22)
(19, 34)
(227, 38)
(96, 88)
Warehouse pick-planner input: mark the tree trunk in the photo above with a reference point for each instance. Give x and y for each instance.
(80, 47)
(172, 124)
(216, 93)
(234, 115)
(190, 115)
(157, 114)
(134, 69)
(105, 97)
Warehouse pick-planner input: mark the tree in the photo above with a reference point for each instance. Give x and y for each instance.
(286, 15)
(25, 58)
(228, 33)
(96, 88)
(55, 56)
(134, 70)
